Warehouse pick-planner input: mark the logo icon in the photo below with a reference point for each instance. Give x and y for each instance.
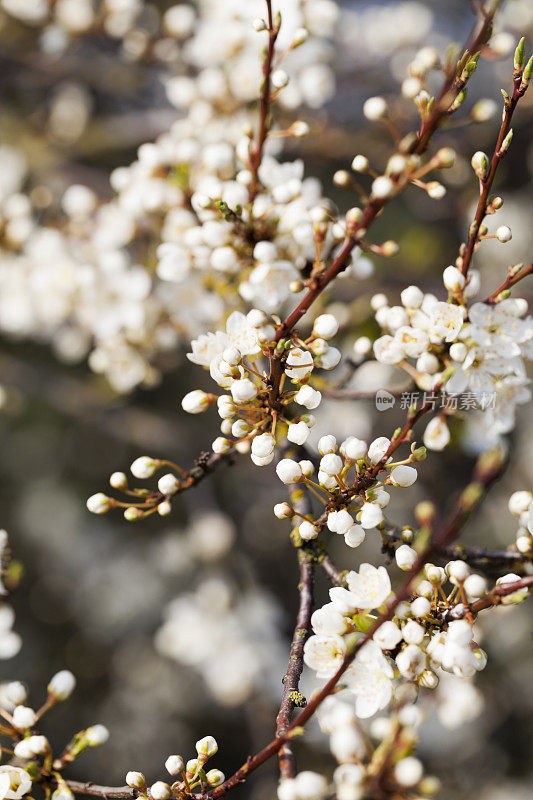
(384, 400)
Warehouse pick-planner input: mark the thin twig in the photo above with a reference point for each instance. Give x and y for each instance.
(486, 183)
(256, 154)
(508, 282)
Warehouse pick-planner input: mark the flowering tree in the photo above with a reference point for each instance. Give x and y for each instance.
(243, 241)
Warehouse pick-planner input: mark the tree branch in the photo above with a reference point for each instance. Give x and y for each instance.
(486, 183)
(291, 679)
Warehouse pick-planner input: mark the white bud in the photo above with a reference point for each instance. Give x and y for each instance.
(307, 467)
(412, 297)
(23, 717)
(331, 464)
(371, 515)
(99, 503)
(406, 557)
(403, 476)
(375, 108)
(298, 433)
(354, 449)
(232, 356)
(174, 765)
(458, 352)
(378, 448)
(255, 317)
(144, 467)
(263, 445)
(519, 502)
(420, 607)
(243, 390)
(135, 780)
(325, 326)
(503, 234)
(221, 445)
(215, 777)
(279, 79)
(207, 746)
(362, 347)
(283, 511)
(360, 163)
(308, 397)
(195, 402)
(307, 530)
(96, 735)
(168, 484)
(288, 471)
(408, 771)
(458, 571)
(453, 279)
(118, 480)
(160, 790)
(62, 685)
(475, 586)
(327, 444)
(382, 187)
(15, 692)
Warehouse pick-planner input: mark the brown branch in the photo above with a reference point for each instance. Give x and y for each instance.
(291, 679)
(508, 282)
(478, 556)
(264, 104)
(488, 469)
(335, 575)
(452, 87)
(486, 183)
(492, 598)
(447, 95)
(93, 789)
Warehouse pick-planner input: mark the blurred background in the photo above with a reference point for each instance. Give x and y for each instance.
(179, 627)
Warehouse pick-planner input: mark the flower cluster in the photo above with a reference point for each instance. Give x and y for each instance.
(193, 775)
(187, 196)
(42, 766)
(349, 484)
(425, 636)
(478, 349)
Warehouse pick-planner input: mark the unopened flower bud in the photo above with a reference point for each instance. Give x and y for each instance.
(119, 480)
(215, 777)
(207, 746)
(144, 466)
(136, 780)
(480, 164)
(160, 790)
(96, 735)
(61, 685)
(99, 503)
(504, 234)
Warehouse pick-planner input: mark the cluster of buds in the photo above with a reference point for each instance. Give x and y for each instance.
(34, 749)
(258, 404)
(192, 775)
(259, 408)
(349, 485)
